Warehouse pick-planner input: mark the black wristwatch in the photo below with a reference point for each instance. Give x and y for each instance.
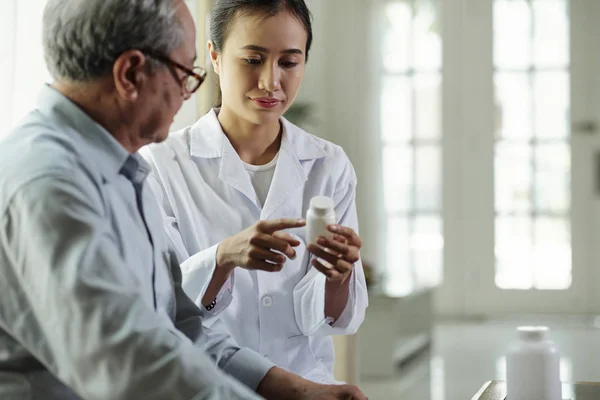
(211, 305)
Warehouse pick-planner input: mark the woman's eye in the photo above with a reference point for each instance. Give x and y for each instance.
(288, 64)
(252, 61)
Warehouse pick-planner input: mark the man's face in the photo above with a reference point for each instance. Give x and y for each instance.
(164, 94)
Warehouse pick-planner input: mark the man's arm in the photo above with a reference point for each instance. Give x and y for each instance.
(86, 319)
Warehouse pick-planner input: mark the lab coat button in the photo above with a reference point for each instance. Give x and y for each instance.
(267, 301)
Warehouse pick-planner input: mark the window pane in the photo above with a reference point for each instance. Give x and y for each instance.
(398, 178)
(410, 132)
(512, 34)
(428, 113)
(551, 104)
(396, 36)
(532, 177)
(552, 253)
(427, 45)
(513, 253)
(513, 102)
(513, 177)
(396, 109)
(551, 33)
(553, 178)
(428, 183)
(399, 275)
(427, 243)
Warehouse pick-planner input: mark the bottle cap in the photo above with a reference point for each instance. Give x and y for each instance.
(321, 204)
(533, 333)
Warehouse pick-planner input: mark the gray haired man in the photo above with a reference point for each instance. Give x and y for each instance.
(91, 304)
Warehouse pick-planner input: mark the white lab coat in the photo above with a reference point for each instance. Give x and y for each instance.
(206, 196)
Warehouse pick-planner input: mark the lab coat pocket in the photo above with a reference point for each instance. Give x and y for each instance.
(300, 354)
(309, 302)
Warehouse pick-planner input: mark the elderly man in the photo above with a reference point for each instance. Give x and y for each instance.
(90, 299)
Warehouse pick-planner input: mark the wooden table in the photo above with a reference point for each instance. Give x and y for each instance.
(496, 390)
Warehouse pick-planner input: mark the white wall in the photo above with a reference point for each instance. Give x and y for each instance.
(22, 67)
(341, 82)
(188, 114)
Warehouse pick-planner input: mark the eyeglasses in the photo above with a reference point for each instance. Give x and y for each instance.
(194, 77)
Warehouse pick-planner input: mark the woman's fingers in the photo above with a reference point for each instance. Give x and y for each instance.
(348, 233)
(270, 242)
(329, 272)
(263, 266)
(260, 254)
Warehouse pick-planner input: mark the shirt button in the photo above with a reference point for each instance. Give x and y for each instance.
(267, 301)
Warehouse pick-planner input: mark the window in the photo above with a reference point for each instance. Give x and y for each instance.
(532, 146)
(410, 100)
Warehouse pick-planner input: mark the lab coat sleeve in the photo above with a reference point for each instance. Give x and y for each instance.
(197, 269)
(195, 283)
(309, 293)
(81, 311)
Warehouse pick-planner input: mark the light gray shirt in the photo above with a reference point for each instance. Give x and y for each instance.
(91, 304)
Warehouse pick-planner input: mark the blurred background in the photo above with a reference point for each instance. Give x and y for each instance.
(473, 129)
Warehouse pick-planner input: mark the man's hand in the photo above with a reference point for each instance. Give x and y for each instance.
(279, 384)
(336, 392)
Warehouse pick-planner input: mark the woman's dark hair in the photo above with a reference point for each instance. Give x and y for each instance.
(225, 11)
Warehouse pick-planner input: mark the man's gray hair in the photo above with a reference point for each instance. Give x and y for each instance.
(83, 38)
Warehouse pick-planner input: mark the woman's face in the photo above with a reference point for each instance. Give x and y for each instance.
(261, 66)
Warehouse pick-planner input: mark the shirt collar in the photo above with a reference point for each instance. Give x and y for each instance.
(135, 168)
(207, 139)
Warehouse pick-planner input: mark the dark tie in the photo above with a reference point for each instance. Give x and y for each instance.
(131, 170)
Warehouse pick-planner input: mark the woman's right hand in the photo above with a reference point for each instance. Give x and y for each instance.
(261, 246)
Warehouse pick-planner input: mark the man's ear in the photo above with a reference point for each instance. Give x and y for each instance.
(129, 72)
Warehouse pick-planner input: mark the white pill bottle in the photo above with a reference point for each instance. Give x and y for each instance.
(320, 214)
(533, 366)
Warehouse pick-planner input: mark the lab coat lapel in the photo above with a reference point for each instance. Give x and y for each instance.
(233, 173)
(288, 179)
(209, 141)
(297, 147)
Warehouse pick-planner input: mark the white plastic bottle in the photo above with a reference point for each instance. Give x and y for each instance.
(533, 366)
(319, 215)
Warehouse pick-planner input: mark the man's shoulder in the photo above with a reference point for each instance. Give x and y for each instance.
(35, 150)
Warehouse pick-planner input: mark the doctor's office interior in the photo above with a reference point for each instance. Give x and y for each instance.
(473, 128)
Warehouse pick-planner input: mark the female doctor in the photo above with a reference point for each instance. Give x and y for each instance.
(234, 186)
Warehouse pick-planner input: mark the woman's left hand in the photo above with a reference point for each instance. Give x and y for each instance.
(340, 252)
